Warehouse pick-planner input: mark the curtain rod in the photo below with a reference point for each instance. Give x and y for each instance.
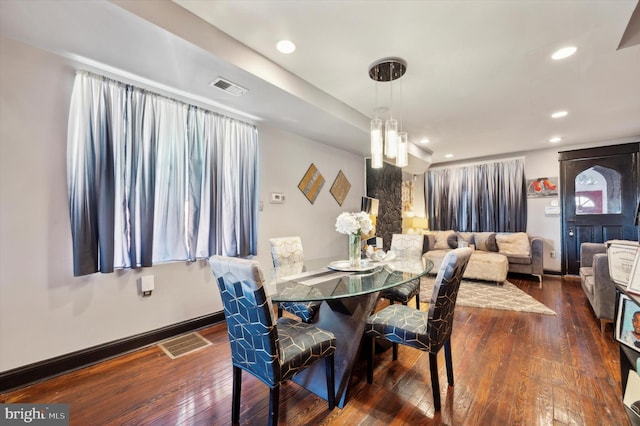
(476, 163)
(113, 80)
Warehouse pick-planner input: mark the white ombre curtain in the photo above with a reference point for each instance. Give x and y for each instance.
(480, 197)
(151, 179)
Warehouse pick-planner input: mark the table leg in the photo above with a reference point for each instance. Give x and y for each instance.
(348, 327)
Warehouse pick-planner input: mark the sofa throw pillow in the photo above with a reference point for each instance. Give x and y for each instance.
(444, 240)
(466, 237)
(429, 240)
(452, 240)
(516, 244)
(485, 241)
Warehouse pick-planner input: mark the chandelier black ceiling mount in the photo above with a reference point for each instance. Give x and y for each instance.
(391, 141)
(387, 69)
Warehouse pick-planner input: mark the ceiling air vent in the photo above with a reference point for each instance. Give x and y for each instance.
(229, 87)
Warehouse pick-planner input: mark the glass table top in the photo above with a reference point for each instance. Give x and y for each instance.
(330, 278)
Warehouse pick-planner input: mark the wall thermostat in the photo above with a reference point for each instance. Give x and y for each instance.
(277, 198)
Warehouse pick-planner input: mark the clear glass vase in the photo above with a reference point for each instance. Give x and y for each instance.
(354, 250)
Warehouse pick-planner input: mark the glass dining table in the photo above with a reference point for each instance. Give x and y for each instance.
(350, 295)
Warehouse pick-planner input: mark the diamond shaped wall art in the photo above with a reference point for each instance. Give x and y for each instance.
(340, 188)
(311, 183)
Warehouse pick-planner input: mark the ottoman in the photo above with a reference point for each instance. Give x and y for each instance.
(486, 266)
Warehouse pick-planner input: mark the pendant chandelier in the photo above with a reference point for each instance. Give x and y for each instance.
(394, 144)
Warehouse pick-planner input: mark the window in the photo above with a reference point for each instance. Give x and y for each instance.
(479, 197)
(597, 191)
(151, 179)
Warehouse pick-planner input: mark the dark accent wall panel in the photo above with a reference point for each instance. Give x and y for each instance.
(385, 184)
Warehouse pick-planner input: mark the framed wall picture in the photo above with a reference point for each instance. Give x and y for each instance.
(621, 256)
(542, 187)
(407, 195)
(628, 323)
(634, 277)
(340, 188)
(311, 183)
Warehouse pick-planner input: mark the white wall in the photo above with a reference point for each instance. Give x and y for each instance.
(285, 159)
(44, 310)
(544, 164)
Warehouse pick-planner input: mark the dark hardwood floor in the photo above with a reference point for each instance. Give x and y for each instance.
(510, 368)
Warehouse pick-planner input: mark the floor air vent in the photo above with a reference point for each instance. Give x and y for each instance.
(183, 345)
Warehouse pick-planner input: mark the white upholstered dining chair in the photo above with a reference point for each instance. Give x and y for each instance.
(288, 251)
(409, 246)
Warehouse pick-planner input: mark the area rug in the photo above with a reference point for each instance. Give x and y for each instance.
(478, 294)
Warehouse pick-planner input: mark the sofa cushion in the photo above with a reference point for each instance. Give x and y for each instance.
(516, 243)
(445, 240)
(485, 241)
(585, 271)
(588, 286)
(482, 265)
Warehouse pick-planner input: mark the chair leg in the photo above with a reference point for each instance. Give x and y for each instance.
(435, 384)
(418, 301)
(279, 312)
(235, 398)
(395, 352)
(331, 390)
(448, 361)
(370, 353)
(274, 402)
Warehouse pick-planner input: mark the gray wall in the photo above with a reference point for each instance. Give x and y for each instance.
(44, 310)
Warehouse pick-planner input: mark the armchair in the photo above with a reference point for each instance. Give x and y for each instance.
(596, 282)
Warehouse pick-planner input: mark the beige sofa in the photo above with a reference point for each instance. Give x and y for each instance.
(494, 256)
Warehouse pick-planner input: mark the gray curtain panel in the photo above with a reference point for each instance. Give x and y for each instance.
(151, 179)
(477, 198)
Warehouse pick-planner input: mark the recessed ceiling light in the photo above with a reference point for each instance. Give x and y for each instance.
(565, 52)
(559, 114)
(286, 46)
(555, 139)
(448, 156)
(424, 141)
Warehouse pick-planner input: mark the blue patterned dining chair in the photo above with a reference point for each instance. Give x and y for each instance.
(288, 251)
(426, 331)
(409, 246)
(271, 351)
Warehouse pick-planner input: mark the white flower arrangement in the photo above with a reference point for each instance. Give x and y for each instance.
(354, 223)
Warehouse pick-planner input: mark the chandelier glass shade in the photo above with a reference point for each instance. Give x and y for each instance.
(402, 156)
(394, 145)
(391, 138)
(376, 143)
